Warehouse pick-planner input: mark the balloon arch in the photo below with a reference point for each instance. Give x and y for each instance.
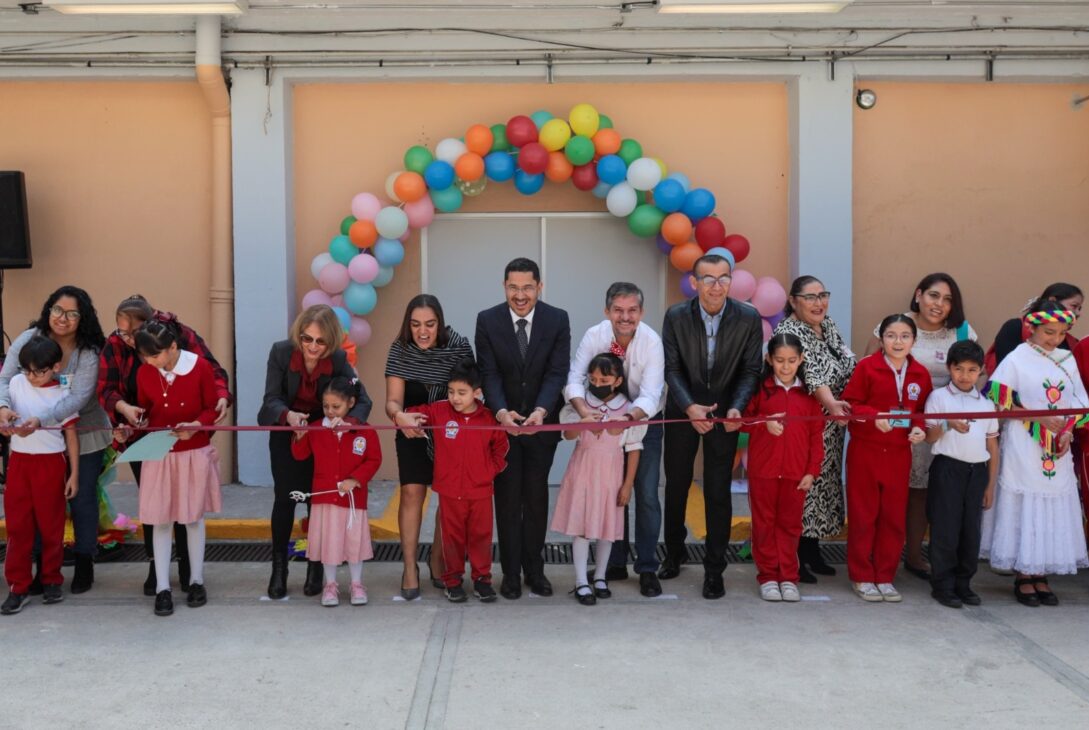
(584, 149)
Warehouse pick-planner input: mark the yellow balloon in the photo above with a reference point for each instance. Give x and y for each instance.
(584, 119)
(662, 166)
(554, 135)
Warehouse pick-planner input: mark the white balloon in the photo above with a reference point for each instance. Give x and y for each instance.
(389, 186)
(621, 200)
(449, 150)
(644, 174)
(319, 263)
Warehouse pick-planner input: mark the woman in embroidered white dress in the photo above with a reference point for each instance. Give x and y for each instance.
(1036, 529)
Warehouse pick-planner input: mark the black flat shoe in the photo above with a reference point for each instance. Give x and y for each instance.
(315, 576)
(84, 576)
(540, 585)
(164, 604)
(946, 599)
(616, 572)
(149, 582)
(713, 586)
(602, 592)
(670, 569)
(1025, 599)
(510, 588)
(968, 596)
(917, 572)
(586, 599)
(649, 585)
(277, 582)
(197, 596)
(1047, 598)
(804, 576)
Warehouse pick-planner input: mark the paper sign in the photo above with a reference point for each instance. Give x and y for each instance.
(152, 447)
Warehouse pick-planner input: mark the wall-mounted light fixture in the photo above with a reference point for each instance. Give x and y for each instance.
(147, 7)
(866, 98)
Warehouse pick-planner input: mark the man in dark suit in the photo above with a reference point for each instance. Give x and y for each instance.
(523, 347)
(713, 360)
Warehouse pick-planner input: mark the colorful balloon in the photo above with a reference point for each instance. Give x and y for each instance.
(584, 177)
(630, 151)
(342, 250)
(769, 297)
(559, 167)
(526, 183)
(682, 179)
(319, 262)
(688, 289)
(584, 120)
(365, 206)
(346, 223)
(645, 220)
(541, 117)
(420, 213)
(439, 175)
(611, 169)
(389, 252)
(605, 122)
(606, 142)
(391, 222)
(449, 150)
(621, 200)
(385, 276)
(644, 174)
(669, 195)
(334, 278)
(698, 204)
(359, 331)
(391, 180)
(580, 150)
(500, 143)
(447, 200)
(554, 134)
(417, 158)
(684, 257)
(344, 316)
(738, 245)
(316, 296)
(363, 234)
(766, 326)
(363, 268)
(499, 166)
(360, 298)
(743, 285)
(521, 131)
(469, 167)
(677, 229)
(710, 232)
(533, 158)
(479, 139)
(663, 245)
(472, 189)
(601, 190)
(409, 186)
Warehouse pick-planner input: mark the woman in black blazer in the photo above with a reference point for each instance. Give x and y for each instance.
(299, 368)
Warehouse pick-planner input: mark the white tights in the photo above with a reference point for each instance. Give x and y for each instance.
(161, 537)
(354, 569)
(580, 549)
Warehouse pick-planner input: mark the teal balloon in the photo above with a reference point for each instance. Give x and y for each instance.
(344, 316)
(342, 249)
(540, 116)
(604, 122)
(390, 252)
(346, 224)
(447, 200)
(385, 276)
(417, 158)
(579, 150)
(645, 220)
(360, 299)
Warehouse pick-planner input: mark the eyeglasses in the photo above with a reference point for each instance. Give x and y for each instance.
(308, 340)
(124, 335)
(823, 296)
(893, 337)
(709, 281)
(36, 372)
(526, 290)
(72, 315)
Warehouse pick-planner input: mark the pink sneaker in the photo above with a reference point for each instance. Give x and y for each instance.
(331, 595)
(359, 594)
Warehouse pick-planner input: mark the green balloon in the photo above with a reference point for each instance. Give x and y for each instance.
(742, 440)
(579, 150)
(346, 224)
(499, 138)
(605, 122)
(646, 220)
(630, 151)
(640, 196)
(417, 158)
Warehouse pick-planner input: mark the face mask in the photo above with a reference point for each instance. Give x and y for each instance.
(601, 392)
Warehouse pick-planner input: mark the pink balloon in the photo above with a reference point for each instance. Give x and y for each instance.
(363, 268)
(420, 212)
(405, 235)
(767, 329)
(359, 331)
(743, 285)
(769, 297)
(316, 296)
(337, 300)
(365, 207)
(334, 278)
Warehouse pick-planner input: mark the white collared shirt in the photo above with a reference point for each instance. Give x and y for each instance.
(185, 364)
(970, 447)
(796, 384)
(514, 317)
(614, 410)
(644, 365)
(33, 402)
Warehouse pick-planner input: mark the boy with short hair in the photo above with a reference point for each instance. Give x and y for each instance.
(36, 490)
(962, 476)
(469, 453)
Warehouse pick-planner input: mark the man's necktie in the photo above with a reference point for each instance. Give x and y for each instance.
(522, 337)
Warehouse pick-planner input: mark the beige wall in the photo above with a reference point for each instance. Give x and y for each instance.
(730, 138)
(988, 182)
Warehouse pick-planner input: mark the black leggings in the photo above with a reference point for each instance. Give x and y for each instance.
(288, 475)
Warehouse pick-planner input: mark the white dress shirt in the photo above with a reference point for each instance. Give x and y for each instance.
(644, 365)
(970, 447)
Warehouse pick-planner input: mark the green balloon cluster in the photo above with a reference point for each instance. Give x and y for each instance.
(499, 138)
(646, 220)
(417, 158)
(630, 151)
(579, 150)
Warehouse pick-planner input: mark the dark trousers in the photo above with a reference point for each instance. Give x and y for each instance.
(681, 445)
(954, 506)
(288, 475)
(521, 504)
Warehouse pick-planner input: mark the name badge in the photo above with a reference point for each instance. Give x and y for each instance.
(451, 429)
(359, 445)
(900, 422)
(65, 381)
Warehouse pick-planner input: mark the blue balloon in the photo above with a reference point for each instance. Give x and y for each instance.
(724, 253)
(344, 316)
(439, 175)
(698, 204)
(601, 190)
(385, 276)
(682, 179)
(539, 117)
(342, 249)
(360, 298)
(447, 200)
(499, 166)
(528, 184)
(669, 195)
(389, 252)
(611, 169)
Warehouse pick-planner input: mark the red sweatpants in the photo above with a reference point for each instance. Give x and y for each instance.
(34, 503)
(877, 496)
(776, 506)
(466, 529)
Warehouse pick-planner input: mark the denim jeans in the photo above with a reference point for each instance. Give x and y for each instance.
(648, 510)
(84, 506)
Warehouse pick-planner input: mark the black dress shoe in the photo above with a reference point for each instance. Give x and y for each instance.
(1025, 599)
(197, 596)
(946, 599)
(804, 576)
(510, 588)
(616, 572)
(84, 575)
(584, 594)
(149, 582)
(277, 582)
(539, 585)
(917, 572)
(164, 604)
(649, 585)
(669, 569)
(713, 586)
(968, 596)
(315, 576)
(1047, 598)
(601, 589)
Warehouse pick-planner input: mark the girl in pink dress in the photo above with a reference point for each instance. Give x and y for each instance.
(598, 482)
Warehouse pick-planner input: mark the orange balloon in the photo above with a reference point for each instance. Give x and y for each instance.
(559, 167)
(469, 167)
(684, 257)
(363, 233)
(409, 187)
(606, 142)
(479, 139)
(677, 229)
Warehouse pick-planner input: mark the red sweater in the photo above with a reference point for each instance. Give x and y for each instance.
(466, 460)
(872, 389)
(191, 397)
(800, 449)
(1081, 357)
(355, 455)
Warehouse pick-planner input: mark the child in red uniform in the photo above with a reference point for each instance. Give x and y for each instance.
(784, 459)
(344, 462)
(34, 498)
(177, 390)
(467, 461)
(879, 457)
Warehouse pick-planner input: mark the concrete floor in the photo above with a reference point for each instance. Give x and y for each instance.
(103, 660)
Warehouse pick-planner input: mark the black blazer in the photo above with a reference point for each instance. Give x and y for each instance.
(738, 363)
(521, 386)
(282, 385)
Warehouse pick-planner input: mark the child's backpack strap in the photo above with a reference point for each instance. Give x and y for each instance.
(962, 331)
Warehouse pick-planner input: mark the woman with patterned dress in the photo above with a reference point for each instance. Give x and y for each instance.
(827, 366)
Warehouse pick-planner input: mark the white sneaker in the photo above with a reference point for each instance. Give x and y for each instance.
(868, 592)
(770, 591)
(889, 593)
(790, 592)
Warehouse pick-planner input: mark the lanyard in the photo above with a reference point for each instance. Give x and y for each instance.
(901, 376)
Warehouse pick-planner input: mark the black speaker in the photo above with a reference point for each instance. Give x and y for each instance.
(14, 223)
